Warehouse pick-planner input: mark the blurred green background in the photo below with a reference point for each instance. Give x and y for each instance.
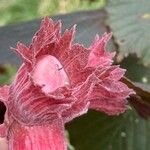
(13, 11)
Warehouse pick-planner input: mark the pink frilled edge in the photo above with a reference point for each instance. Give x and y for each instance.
(58, 81)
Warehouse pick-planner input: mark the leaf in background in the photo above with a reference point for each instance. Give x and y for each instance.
(140, 100)
(140, 77)
(97, 131)
(136, 71)
(129, 21)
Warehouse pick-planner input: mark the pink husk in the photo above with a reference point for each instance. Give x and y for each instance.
(45, 137)
(82, 79)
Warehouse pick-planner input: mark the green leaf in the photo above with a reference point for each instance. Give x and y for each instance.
(136, 71)
(129, 21)
(96, 131)
(140, 100)
(140, 77)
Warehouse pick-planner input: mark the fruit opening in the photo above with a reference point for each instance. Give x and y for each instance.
(2, 112)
